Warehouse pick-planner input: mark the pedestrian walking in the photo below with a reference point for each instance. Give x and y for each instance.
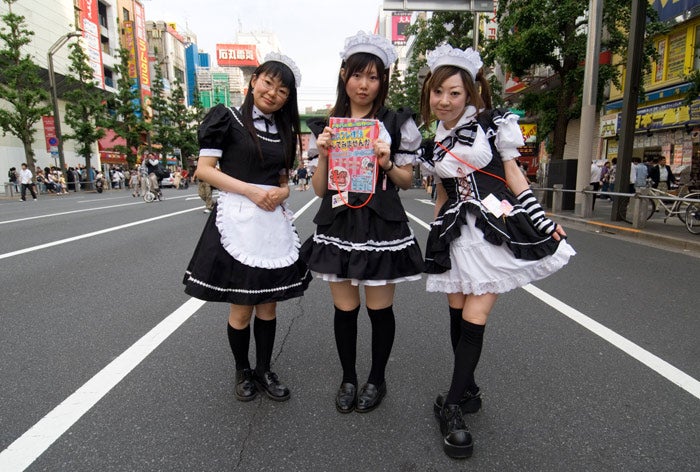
(25, 180)
(13, 178)
(490, 235)
(248, 254)
(364, 239)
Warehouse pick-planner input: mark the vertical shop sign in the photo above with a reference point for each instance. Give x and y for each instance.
(90, 23)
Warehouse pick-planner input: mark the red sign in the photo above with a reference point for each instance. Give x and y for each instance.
(142, 50)
(236, 55)
(90, 24)
(399, 22)
(50, 133)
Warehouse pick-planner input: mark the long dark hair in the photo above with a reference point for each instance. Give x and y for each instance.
(357, 63)
(479, 91)
(286, 118)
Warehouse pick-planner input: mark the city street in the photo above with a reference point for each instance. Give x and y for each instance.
(108, 365)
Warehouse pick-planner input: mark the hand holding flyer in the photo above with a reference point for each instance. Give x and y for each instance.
(352, 165)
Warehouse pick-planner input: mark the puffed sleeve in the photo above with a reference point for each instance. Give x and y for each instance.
(410, 144)
(424, 156)
(213, 131)
(509, 137)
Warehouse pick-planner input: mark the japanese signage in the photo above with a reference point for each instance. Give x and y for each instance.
(236, 55)
(50, 133)
(129, 45)
(142, 50)
(352, 165)
(399, 22)
(608, 125)
(89, 21)
(529, 131)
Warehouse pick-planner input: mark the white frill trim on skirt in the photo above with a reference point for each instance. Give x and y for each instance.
(255, 237)
(368, 283)
(479, 267)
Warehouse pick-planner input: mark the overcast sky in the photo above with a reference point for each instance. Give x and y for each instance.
(311, 32)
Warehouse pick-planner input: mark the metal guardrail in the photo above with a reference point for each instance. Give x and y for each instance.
(639, 218)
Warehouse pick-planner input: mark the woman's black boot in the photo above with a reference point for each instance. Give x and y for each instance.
(457, 440)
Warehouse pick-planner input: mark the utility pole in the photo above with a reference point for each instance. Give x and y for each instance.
(54, 95)
(588, 105)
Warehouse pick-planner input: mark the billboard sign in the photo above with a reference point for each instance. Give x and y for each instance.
(236, 55)
(399, 22)
(90, 24)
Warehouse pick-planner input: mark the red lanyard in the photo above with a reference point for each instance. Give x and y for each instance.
(469, 165)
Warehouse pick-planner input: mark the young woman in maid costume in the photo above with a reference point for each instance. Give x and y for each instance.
(490, 235)
(248, 254)
(364, 239)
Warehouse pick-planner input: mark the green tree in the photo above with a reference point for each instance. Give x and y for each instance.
(444, 26)
(162, 128)
(552, 35)
(127, 117)
(183, 120)
(20, 83)
(85, 111)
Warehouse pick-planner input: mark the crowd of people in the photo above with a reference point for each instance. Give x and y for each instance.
(50, 180)
(652, 172)
(489, 234)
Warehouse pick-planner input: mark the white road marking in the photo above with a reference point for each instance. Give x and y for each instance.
(660, 366)
(27, 448)
(94, 233)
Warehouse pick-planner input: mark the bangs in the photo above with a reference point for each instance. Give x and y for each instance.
(277, 70)
(362, 61)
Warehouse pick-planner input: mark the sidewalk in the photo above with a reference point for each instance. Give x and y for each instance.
(672, 233)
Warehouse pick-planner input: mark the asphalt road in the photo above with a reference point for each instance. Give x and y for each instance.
(108, 365)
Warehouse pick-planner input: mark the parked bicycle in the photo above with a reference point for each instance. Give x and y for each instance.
(692, 218)
(656, 199)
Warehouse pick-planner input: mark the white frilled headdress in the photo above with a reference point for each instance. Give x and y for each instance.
(287, 61)
(446, 55)
(370, 43)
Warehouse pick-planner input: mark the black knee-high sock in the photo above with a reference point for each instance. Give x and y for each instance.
(455, 326)
(264, 332)
(239, 340)
(345, 328)
(466, 358)
(383, 329)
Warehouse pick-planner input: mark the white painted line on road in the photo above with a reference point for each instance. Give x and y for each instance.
(27, 448)
(419, 221)
(50, 215)
(94, 233)
(655, 363)
(35, 441)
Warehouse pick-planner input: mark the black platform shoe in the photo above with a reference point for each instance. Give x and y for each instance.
(270, 384)
(245, 390)
(457, 440)
(369, 397)
(346, 398)
(469, 403)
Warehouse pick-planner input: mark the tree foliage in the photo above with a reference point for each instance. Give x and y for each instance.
(85, 110)
(127, 112)
(20, 83)
(551, 35)
(445, 26)
(162, 128)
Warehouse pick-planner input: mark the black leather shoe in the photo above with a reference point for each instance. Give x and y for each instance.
(457, 440)
(270, 384)
(470, 403)
(346, 398)
(369, 397)
(245, 386)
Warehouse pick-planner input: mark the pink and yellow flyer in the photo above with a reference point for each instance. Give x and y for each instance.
(352, 165)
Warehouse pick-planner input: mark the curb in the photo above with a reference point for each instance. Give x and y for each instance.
(634, 233)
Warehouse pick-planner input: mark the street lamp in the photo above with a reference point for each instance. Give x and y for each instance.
(54, 96)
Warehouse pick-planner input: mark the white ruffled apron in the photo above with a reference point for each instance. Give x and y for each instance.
(256, 237)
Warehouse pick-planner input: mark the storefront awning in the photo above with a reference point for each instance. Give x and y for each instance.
(110, 140)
